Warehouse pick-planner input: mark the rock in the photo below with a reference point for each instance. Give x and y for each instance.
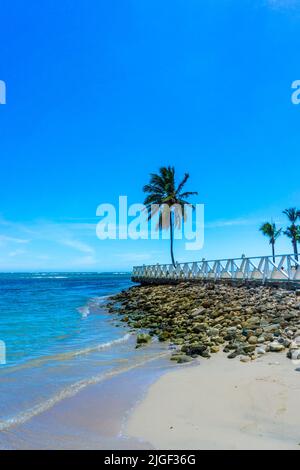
(164, 336)
(214, 349)
(206, 304)
(213, 331)
(249, 348)
(198, 328)
(198, 311)
(194, 349)
(286, 342)
(205, 354)
(271, 328)
(290, 315)
(261, 339)
(216, 314)
(232, 355)
(289, 333)
(276, 347)
(143, 338)
(261, 350)
(251, 322)
(245, 359)
(252, 340)
(294, 354)
(175, 357)
(184, 359)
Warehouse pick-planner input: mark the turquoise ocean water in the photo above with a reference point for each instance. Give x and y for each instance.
(59, 338)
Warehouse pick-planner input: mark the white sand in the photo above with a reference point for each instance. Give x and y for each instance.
(223, 404)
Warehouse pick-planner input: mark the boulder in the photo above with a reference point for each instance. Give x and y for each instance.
(276, 347)
(252, 339)
(143, 338)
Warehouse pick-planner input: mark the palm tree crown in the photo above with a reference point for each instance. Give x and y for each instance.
(165, 197)
(293, 231)
(292, 214)
(272, 232)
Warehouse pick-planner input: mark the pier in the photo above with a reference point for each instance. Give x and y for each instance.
(261, 270)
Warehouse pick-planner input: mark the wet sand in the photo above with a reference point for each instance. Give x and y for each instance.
(92, 419)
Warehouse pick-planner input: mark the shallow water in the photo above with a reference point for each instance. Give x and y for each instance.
(59, 340)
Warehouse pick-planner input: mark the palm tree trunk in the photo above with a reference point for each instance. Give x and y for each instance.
(295, 249)
(273, 251)
(172, 239)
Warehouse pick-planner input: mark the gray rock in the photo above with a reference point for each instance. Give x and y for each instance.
(276, 347)
(261, 350)
(245, 359)
(294, 354)
(183, 359)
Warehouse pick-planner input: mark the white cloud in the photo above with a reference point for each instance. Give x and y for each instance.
(231, 223)
(77, 245)
(16, 253)
(244, 222)
(5, 238)
(43, 234)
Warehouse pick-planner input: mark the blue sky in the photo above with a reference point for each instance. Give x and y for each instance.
(100, 94)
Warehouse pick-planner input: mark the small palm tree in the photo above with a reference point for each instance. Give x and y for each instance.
(165, 197)
(293, 231)
(272, 232)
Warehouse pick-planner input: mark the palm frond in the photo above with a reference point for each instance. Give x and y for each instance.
(270, 230)
(188, 194)
(292, 214)
(183, 182)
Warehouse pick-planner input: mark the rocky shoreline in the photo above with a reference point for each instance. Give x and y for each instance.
(202, 319)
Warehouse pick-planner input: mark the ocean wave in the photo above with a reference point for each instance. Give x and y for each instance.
(99, 347)
(68, 392)
(44, 276)
(70, 354)
(92, 303)
(84, 311)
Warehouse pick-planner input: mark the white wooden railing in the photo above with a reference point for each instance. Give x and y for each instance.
(285, 268)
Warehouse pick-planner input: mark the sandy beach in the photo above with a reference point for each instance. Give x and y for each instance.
(222, 404)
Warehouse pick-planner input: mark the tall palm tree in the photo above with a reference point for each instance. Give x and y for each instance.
(165, 197)
(272, 232)
(293, 231)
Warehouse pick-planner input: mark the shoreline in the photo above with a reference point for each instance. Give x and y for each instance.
(96, 416)
(221, 404)
(156, 404)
